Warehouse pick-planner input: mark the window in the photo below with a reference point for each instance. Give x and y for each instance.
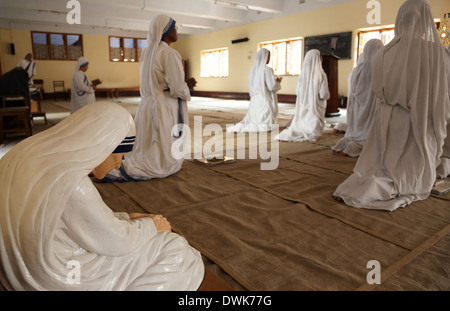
(142, 43)
(57, 46)
(384, 34)
(125, 49)
(285, 56)
(214, 63)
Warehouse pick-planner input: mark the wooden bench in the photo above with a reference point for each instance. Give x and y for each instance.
(123, 89)
(109, 91)
(114, 92)
(15, 120)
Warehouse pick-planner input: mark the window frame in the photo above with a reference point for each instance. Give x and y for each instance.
(218, 50)
(122, 47)
(49, 45)
(287, 42)
(380, 30)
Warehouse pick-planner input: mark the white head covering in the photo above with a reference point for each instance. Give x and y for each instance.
(349, 80)
(37, 178)
(362, 75)
(416, 58)
(168, 29)
(82, 61)
(256, 78)
(398, 163)
(159, 26)
(160, 113)
(52, 214)
(361, 103)
(308, 85)
(312, 94)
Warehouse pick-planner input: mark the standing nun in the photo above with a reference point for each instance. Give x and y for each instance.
(82, 93)
(403, 150)
(162, 112)
(29, 66)
(312, 94)
(263, 107)
(361, 104)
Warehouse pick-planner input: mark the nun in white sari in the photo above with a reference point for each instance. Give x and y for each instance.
(341, 127)
(443, 169)
(82, 92)
(403, 150)
(56, 233)
(263, 107)
(29, 66)
(361, 104)
(162, 111)
(312, 95)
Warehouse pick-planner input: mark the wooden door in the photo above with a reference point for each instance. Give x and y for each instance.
(330, 66)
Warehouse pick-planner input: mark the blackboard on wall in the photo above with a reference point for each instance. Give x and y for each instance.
(338, 44)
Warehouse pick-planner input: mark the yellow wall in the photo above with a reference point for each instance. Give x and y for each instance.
(445, 8)
(96, 50)
(349, 16)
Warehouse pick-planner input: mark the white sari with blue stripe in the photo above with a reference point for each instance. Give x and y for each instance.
(82, 92)
(163, 106)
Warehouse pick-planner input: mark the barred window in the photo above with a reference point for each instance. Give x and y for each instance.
(56, 46)
(285, 56)
(115, 49)
(214, 63)
(125, 49)
(74, 46)
(142, 43)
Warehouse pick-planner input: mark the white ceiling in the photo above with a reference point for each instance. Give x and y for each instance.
(132, 17)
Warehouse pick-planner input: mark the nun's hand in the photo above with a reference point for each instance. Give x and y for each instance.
(161, 223)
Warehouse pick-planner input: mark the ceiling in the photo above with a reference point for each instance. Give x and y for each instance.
(132, 17)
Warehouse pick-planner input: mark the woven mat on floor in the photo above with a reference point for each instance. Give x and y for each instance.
(280, 230)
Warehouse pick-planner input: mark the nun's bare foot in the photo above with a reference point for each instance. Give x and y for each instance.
(339, 199)
(339, 153)
(338, 132)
